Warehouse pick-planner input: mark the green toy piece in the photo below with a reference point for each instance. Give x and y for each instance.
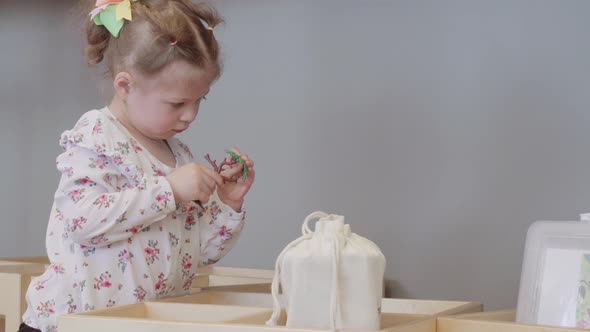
(235, 157)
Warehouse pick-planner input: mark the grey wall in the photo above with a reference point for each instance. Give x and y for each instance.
(440, 129)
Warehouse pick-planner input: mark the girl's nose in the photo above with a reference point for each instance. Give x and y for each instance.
(189, 114)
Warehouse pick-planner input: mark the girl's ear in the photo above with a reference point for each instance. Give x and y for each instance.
(122, 84)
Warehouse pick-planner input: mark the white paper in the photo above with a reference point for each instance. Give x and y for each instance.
(559, 288)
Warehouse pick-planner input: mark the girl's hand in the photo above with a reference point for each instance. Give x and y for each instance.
(193, 182)
(232, 193)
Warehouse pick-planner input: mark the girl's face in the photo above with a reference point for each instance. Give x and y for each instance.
(165, 104)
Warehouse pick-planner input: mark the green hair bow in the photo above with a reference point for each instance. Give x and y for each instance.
(112, 14)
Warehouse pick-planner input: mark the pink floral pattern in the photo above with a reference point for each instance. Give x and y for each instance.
(135, 146)
(188, 283)
(71, 305)
(117, 160)
(161, 286)
(68, 172)
(97, 128)
(39, 284)
(115, 232)
(139, 293)
(124, 258)
(85, 181)
(100, 162)
(58, 268)
(173, 240)
(103, 281)
(104, 201)
(135, 229)
(99, 239)
(152, 252)
(225, 233)
(77, 223)
(215, 211)
(76, 195)
(58, 215)
(189, 222)
(161, 201)
(46, 309)
(186, 265)
(157, 171)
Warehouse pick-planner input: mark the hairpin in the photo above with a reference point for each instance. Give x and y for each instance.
(112, 14)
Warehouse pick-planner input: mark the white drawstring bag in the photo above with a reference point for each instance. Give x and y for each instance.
(330, 278)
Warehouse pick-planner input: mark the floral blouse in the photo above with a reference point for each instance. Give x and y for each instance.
(115, 234)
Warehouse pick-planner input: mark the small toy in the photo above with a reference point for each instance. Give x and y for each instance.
(235, 158)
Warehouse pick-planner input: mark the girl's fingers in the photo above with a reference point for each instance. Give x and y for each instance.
(214, 176)
(233, 171)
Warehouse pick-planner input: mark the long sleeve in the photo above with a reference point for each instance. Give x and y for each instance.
(96, 211)
(219, 225)
(220, 228)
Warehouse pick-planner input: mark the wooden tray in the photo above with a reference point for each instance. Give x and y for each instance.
(183, 317)
(491, 322)
(261, 300)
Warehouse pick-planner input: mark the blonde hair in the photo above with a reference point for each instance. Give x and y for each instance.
(161, 32)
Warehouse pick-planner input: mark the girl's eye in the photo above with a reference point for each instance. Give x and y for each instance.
(177, 105)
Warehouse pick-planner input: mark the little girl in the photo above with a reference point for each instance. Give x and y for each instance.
(134, 215)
